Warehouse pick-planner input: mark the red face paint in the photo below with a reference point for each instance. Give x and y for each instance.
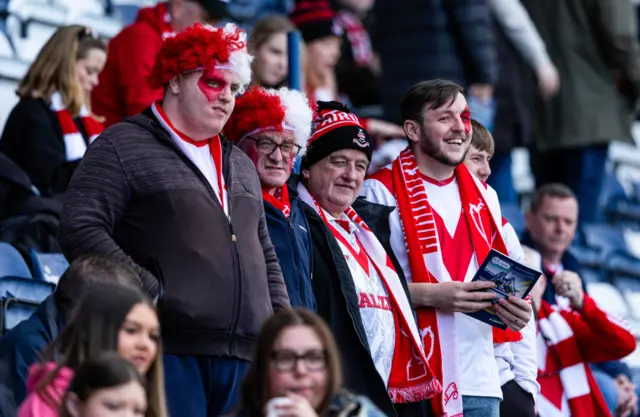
(212, 83)
(252, 153)
(466, 119)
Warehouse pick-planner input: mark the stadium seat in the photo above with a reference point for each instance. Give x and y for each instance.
(19, 297)
(126, 13)
(514, 215)
(29, 33)
(633, 299)
(586, 256)
(617, 203)
(608, 298)
(623, 264)
(604, 238)
(626, 283)
(48, 267)
(11, 262)
(590, 275)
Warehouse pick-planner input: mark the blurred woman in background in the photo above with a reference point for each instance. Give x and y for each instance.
(107, 386)
(110, 318)
(296, 372)
(268, 45)
(49, 129)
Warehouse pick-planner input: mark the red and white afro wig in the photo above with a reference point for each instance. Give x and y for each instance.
(201, 47)
(260, 110)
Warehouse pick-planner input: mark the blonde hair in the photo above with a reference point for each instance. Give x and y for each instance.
(54, 69)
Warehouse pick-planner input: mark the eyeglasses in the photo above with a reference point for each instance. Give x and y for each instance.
(268, 147)
(286, 360)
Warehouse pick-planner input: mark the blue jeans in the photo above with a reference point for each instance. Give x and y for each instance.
(480, 406)
(202, 386)
(501, 178)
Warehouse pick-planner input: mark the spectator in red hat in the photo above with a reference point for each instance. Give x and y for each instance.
(357, 288)
(272, 127)
(167, 194)
(124, 88)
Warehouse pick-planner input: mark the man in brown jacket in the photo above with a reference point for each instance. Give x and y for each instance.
(164, 192)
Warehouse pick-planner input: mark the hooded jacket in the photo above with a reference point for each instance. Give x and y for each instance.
(124, 89)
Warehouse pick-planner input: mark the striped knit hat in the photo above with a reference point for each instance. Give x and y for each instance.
(315, 19)
(335, 128)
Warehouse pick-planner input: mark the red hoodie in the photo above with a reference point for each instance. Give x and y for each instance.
(124, 89)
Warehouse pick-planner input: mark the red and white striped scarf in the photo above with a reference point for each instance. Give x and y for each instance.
(572, 384)
(427, 265)
(357, 36)
(410, 380)
(75, 144)
(279, 199)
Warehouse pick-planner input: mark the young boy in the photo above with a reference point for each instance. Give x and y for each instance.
(516, 361)
(480, 152)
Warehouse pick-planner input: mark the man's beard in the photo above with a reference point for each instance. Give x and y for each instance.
(432, 148)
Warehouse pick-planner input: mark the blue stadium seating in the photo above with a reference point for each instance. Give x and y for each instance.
(627, 283)
(48, 266)
(586, 256)
(604, 238)
(19, 297)
(590, 275)
(616, 202)
(623, 264)
(12, 263)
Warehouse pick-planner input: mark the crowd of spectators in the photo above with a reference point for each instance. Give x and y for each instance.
(241, 247)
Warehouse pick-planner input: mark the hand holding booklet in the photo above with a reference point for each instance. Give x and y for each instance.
(511, 278)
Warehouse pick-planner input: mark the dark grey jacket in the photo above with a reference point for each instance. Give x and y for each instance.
(137, 197)
(428, 39)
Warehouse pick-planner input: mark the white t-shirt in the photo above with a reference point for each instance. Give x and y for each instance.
(477, 364)
(201, 158)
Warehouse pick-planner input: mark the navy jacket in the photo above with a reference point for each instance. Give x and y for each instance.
(292, 242)
(20, 347)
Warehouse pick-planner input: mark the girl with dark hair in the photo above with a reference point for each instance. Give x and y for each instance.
(110, 317)
(107, 386)
(296, 372)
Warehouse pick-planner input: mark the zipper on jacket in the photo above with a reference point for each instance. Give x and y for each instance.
(237, 289)
(237, 276)
(296, 258)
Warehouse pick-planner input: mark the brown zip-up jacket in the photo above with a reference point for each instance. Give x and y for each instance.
(137, 197)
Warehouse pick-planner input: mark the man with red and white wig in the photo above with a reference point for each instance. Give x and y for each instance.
(445, 223)
(167, 194)
(272, 127)
(357, 288)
